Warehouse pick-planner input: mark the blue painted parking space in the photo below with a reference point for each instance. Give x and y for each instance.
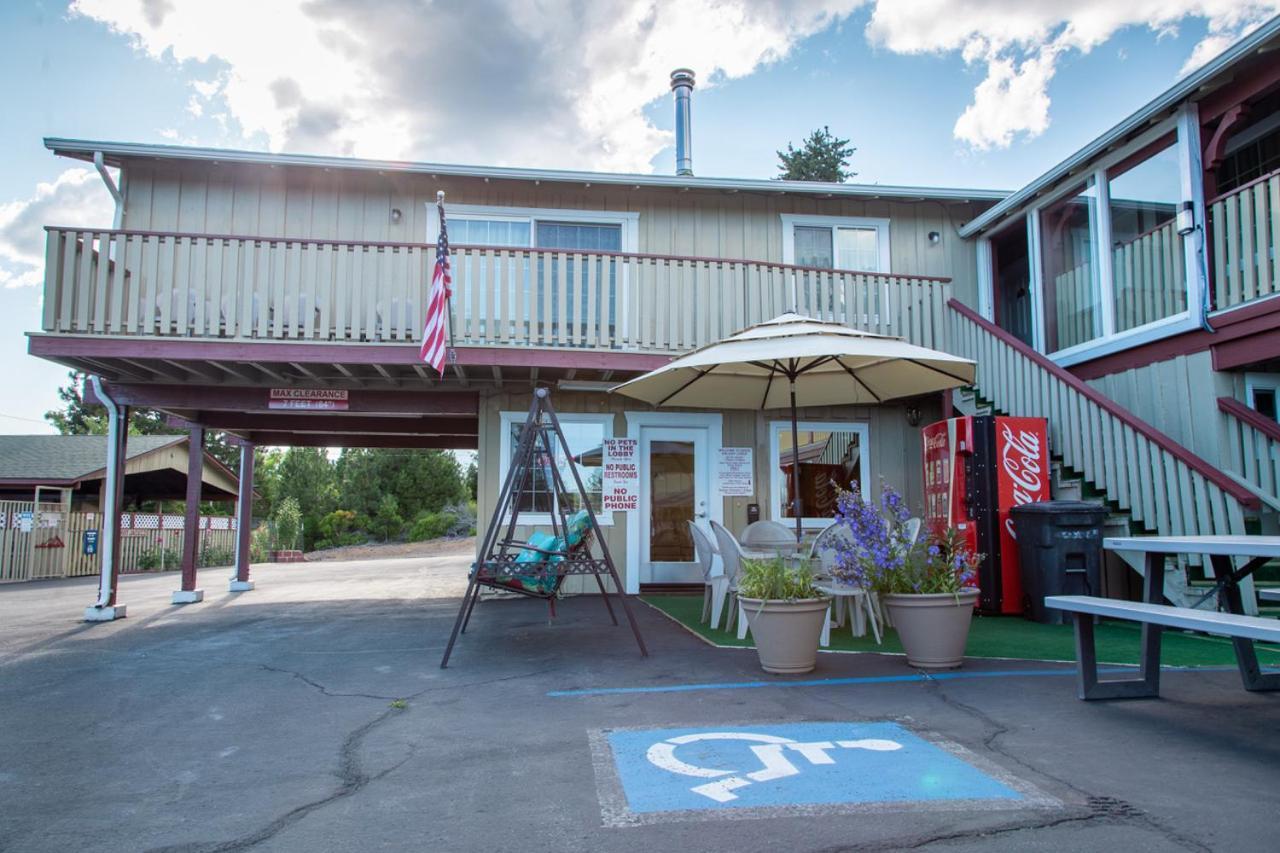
(793, 764)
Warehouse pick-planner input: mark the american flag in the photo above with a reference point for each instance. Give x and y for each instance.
(435, 340)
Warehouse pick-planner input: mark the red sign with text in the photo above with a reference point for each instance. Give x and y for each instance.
(975, 471)
(1022, 477)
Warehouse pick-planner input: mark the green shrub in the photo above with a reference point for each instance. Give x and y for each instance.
(288, 524)
(157, 558)
(774, 580)
(432, 525)
(338, 524)
(465, 515)
(260, 543)
(213, 555)
(387, 522)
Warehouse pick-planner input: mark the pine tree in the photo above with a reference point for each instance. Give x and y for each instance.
(822, 157)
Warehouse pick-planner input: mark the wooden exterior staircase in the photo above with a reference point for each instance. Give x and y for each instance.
(1158, 484)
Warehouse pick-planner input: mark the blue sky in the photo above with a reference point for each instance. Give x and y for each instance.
(575, 92)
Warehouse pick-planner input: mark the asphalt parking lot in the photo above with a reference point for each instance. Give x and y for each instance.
(311, 714)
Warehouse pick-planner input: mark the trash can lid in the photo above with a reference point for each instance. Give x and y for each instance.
(1057, 508)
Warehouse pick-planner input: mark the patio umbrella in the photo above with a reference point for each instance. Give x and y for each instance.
(793, 361)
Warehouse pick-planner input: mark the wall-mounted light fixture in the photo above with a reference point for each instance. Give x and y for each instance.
(913, 415)
(396, 214)
(934, 238)
(1186, 219)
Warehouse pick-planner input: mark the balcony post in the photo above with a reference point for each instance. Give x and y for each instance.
(244, 520)
(188, 594)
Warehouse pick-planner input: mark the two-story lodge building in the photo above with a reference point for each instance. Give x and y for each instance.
(1128, 295)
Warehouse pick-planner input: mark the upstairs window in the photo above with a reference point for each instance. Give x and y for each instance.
(836, 242)
(1073, 294)
(1148, 262)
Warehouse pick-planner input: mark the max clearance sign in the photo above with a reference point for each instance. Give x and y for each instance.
(621, 482)
(312, 399)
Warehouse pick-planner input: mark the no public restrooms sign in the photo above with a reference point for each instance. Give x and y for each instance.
(621, 482)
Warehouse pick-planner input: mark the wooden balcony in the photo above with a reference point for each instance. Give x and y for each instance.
(213, 288)
(1245, 232)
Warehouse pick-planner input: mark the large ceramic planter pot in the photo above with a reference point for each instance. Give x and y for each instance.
(933, 628)
(786, 632)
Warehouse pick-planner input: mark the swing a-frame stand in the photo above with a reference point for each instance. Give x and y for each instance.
(537, 568)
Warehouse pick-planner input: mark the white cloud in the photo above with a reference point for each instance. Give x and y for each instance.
(75, 198)
(553, 82)
(1019, 43)
(565, 83)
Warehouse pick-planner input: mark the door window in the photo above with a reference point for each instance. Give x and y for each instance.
(671, 501)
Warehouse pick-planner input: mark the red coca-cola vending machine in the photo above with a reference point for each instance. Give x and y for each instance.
(975, 470)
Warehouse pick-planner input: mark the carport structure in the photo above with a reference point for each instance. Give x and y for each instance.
(253, 416)
(303, 394)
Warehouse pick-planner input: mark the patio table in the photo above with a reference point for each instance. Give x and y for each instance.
(1229, 582)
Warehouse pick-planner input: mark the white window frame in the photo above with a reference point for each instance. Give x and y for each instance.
(1186, 140)
(507, 419)
(1260, 381)
(777, 428)
(629, 220)
(881, 226)
(986, 280)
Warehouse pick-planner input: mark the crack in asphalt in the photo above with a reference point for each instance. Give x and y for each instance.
(922, 841)
(1101, 808)
(310, 682)
(1097, 808)
(351, 773)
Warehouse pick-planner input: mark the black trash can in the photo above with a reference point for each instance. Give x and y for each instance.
(1060, 551)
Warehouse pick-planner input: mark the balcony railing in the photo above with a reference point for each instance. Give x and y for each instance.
(162, 284)
(1245, 226)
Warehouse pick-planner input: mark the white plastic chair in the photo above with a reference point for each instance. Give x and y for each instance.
(731, 554)
(912, 529)
(731, 558)
(715, 586)
(857, 600)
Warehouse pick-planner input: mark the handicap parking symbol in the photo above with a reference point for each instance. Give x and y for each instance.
(792, 764)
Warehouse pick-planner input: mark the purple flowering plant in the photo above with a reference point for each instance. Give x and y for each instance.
(878, 553)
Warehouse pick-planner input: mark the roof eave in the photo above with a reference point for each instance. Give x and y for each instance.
(115, 152)
(1181, 90)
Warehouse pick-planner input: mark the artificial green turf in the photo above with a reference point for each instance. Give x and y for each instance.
(1003, 637)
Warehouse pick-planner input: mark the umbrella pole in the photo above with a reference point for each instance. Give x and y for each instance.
(795, 465)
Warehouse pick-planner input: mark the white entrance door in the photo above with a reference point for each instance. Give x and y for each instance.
(675, 486)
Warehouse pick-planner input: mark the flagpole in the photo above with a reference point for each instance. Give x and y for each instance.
(448, 292)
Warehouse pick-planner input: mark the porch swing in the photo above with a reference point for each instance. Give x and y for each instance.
(537, 567)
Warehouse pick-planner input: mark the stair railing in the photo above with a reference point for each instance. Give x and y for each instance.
(1254, 444)
(1161, 484)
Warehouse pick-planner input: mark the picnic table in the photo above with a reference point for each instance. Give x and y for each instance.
(1154, 616)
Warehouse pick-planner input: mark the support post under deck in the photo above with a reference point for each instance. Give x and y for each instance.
(189, 594)
(244, 520)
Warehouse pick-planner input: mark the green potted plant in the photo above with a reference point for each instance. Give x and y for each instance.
(785, 613)
(927, 582)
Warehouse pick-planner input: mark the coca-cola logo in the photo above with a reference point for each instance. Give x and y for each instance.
(1022, 459)
(935, 442)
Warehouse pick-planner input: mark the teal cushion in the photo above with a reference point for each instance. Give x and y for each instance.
(538, 579)
(578, 525)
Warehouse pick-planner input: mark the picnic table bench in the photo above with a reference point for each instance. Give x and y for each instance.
(1155, 616)
(1269, 594)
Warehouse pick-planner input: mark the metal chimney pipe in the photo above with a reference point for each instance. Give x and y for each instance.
(682, 85)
